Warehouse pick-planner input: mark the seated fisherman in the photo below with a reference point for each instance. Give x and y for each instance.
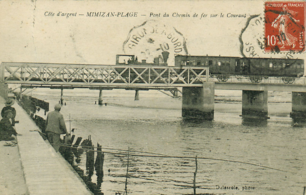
(8, 106)
(7, 131)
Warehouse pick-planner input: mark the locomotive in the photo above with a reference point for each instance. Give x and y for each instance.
(222, 67)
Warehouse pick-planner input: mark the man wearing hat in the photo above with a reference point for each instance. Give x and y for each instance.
(8, 106)
(55, 126)
(6, 129)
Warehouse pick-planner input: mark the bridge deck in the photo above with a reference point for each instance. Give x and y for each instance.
(45, 171)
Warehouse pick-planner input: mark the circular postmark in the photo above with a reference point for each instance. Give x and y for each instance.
(149, 40)
(251, 38)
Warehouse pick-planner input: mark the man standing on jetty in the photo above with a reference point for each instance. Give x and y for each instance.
(55, 126)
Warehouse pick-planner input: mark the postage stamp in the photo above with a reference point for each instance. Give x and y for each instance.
(252, 41)
(284, 26)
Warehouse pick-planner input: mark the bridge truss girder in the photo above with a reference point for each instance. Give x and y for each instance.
(139, 76)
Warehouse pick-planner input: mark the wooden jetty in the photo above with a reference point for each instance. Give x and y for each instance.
(46, 172)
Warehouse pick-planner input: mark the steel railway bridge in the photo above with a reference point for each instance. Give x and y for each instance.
(55, 75)
(103, 76)
(197, 85)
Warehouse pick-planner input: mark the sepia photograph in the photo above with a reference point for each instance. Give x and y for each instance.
(149, 97)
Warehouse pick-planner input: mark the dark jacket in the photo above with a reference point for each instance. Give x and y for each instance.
(6, 130)
(13, 111)
(55, 123)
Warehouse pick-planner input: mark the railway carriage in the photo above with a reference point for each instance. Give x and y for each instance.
(255, 69)
(223, 67)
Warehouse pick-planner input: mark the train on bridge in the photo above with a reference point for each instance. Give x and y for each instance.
(223, 67)
(128, 72)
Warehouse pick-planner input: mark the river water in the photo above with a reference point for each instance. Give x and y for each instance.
(153, 125)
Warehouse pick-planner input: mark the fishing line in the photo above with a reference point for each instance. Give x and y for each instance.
(184, 157)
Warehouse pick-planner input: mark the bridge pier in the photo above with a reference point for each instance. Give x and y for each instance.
(62, 94)
(136, 95)
(255, 104)
(100, 100)
(20, 94)
(198, 102)
(298, 106)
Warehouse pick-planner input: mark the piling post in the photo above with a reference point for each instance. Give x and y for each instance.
(136, 95)
(20, 93)
(127, 170)
(72, 139)
(87, 154)
(91, 160)
(75, 151)
(90, 157)
(62, 94)
(83, 147)
(304, 192)
(100, 101)
(66, 150)
(195, 175)
(99, 165)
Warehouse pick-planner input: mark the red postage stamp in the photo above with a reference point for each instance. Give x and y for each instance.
(285, 26)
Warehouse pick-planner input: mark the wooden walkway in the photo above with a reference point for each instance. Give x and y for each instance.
(45, 171)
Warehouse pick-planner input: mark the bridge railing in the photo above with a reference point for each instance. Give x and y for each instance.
(102, 75)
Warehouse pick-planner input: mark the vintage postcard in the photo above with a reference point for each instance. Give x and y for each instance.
(161, 97)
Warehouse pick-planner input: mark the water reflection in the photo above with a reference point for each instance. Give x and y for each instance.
(254, 122)
(196, 123)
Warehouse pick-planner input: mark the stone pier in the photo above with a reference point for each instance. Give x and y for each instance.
(298, 106)
(62, 96)
(198, 102)
(255, 104)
